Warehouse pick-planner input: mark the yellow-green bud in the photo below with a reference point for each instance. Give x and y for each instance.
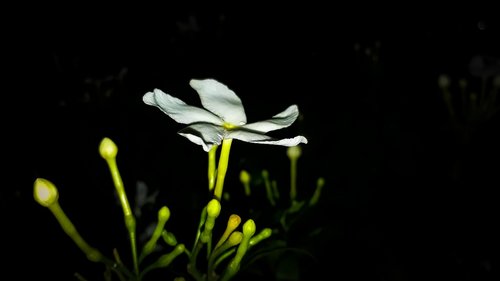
(294, 152)
(317, 193)
(244, 176)
(108, 149)
(167, 259)
(265, 233)
(233, 222)
(249, 228)
(213, 208)
(235, 238)
(45, 192)
(169, 238)
(320, 182)
(164, 214)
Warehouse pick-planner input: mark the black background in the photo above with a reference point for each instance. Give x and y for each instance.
(407, 197)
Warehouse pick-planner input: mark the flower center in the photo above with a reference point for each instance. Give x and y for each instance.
(229, 126)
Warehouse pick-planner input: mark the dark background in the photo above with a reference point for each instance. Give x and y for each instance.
(408, 195)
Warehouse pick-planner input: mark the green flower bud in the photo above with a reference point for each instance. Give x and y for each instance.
(245, 180)
(235, 238)
(294, 152)
(45, 192)
(317, 193)
(167, 259)
(108, 149)
(263, 234)
(164, 214)
(244, 177)
(169, 238)
(213, 208)
(249, 228)
(232, 223)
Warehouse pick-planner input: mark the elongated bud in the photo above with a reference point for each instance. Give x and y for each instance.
(234, 265)
(232, 223)
(169, 238)
(269, 191)
(263, 234)
(163, 216)
(245, 180)
(220, 253)
(167, 259)
(213, 211)
(108, 151)
(317, 193)
(45, 192)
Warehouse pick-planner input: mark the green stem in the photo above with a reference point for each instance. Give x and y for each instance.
(68, 227)
(293, 179)
(128, 216)
(267, 183)
(211, 167)
(222, 168)
(91, 253)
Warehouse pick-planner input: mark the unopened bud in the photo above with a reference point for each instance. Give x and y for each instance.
(45, 192)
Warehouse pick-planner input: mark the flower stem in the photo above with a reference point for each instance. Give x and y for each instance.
(108, 151)
(222, 168)
(293, 153)
(68, 227)
(211, 167)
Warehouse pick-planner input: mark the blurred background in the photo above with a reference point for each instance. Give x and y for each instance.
(401, 113)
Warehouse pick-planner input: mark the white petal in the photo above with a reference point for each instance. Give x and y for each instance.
(179, 110)
(255, 137)
(247, 136)
(285, 142)
(278, 121)
(219, 99)
(204, 134)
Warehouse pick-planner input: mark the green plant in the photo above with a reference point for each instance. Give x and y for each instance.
(222, 120)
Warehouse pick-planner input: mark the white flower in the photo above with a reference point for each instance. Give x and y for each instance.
(223, 117)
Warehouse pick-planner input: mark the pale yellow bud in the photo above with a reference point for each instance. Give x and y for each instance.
(108, 149)
(45, 192)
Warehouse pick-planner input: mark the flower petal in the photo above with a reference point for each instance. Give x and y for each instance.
(179, 110)
(285, 142)
(219, 99)
(255, 137)
(278, 121)
(204, 134)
